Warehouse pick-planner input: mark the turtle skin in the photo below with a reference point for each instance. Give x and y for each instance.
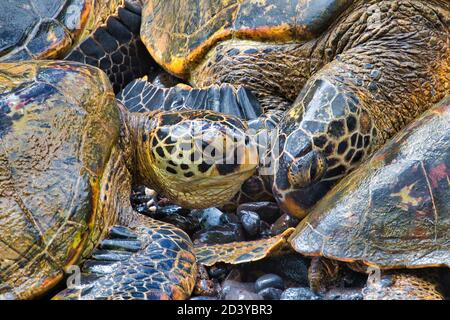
(398, 214)
(116, 48)
(68, 158)
(342, 74)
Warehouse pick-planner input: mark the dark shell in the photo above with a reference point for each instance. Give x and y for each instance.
(39, 29)
(394, 211)
(56, 138)
(179, 32)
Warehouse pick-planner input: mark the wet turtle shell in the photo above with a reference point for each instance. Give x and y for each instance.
(179, 33)
(39, 29)
(392, 212)
(56, 141)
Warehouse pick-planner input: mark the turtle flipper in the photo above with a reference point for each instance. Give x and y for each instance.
(142, 96)
(151, 260)
(242, 252)
(404, 285)
(116, 48)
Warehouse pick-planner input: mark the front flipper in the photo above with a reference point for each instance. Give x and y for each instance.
(117, 49)
(150, 261)
(143, 96)
(404, 285)
(242, 252)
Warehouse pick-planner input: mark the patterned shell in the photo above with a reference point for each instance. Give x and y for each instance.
(394, 211)
(179, 33)
(39, 29)
(56, 138)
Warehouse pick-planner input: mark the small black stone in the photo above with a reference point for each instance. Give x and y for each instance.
(250, 222)
(271, 293)
(269, 280)
(283, 223)
(266, 210)
(221, 234)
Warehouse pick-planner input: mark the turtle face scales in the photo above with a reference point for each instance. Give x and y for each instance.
(196, 158)
(318, 143)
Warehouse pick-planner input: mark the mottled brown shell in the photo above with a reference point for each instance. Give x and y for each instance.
(179, 33)
(394, 211)
(58, 124)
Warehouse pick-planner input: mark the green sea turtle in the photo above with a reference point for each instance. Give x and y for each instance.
(343, 76)
(393, 212)
(46, 29)
(56, 29)
(68, 156)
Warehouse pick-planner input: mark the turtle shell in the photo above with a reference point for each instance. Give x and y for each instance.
(56, 138)
(394, 211)
(40, 29)
(179, 33)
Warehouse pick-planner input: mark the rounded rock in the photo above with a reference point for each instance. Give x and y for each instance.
(221, 234)
(266, 210)
(242, 295)
(283, 223)
(269, 280)
(209, 217)
(231, 285)
(250, 222)
(344, 294)
(299, 294)
(270, 293)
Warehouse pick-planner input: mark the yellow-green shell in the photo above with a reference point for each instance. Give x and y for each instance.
(58, 124)
(179, 33)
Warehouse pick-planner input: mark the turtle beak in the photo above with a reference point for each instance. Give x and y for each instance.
(298, 177)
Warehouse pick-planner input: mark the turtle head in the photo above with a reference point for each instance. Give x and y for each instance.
(195, 158)
(298, 171)
(327, 133)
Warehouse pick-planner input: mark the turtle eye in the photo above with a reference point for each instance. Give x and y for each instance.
(307, 170)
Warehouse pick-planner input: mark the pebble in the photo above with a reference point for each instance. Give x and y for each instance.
(221, 234)
(269, 280)
(171, 210)
(299, 294)
(250, 222)
(139, 199)
(284, 222)
(231, 285)
(227, 218)
(270, 293)
(209, 217)
(177, 216)
(344, 294)
(266, 210)
(264, 230)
